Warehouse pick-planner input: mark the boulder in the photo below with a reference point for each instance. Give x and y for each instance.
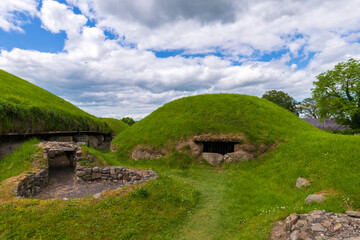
(213, 158)
(314, 198)
(238, 156)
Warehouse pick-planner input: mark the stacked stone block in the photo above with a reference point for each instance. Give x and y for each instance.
(32, 183)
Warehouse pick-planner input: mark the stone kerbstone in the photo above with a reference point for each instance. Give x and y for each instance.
(213, 158)
(83, 138)
(93, 141)
(238, 156)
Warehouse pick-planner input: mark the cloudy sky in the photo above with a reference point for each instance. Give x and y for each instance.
(120, 58)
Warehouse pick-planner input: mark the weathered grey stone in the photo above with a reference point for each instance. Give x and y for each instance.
(83, 138)
(314, 198)
(294, 235)
(113, 170)
(317, 227)
(95, 169)
(291, 220)
(213, 158)
(353, 214)
(93, 141)
(238, 156)
(80, 173)
(95, 175)
(302, 182)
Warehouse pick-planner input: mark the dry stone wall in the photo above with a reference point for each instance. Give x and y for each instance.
(32, 183)
(114, 173)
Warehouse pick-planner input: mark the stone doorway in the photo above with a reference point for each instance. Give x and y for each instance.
(218, 147)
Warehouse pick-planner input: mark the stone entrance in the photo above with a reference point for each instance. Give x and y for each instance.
(218, 147)
(65, 177)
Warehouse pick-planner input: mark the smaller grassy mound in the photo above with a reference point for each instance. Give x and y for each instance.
(26, 108)
(117, 126)
(151, 211)
(259, 120)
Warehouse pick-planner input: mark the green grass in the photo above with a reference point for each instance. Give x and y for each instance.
(193, 200)
(117, 126)
(20, 160)
(26, 108)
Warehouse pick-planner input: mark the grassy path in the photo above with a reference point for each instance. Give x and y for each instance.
(206, 222)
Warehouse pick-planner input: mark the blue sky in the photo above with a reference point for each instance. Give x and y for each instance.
(126, 58)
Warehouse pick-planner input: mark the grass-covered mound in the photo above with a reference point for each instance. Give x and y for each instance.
(117, 126)
(259, 120)
(26, 108)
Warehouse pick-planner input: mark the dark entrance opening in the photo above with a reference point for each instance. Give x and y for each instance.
(60, 161)
(219, 147)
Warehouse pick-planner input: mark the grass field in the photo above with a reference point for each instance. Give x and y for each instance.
(193, 200)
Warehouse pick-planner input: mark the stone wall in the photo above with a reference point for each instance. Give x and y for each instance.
(114, 173)
(32, 183)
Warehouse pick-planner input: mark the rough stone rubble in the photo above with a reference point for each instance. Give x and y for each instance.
(318, 225)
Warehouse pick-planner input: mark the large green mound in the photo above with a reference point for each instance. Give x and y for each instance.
(26, 108)
(259, 120)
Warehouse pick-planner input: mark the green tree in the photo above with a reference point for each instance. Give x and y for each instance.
(337, 93)
(283, 100)
(309, 108)
(129, 121)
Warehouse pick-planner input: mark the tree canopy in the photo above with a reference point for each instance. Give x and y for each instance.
(129, 121)
(283, 100)
(308, 107)
(337, 93)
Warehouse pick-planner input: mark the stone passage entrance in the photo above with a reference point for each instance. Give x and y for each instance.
(65, 177)
(218, 147)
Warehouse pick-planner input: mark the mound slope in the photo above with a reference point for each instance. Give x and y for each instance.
(27, 108)
(230, 116)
